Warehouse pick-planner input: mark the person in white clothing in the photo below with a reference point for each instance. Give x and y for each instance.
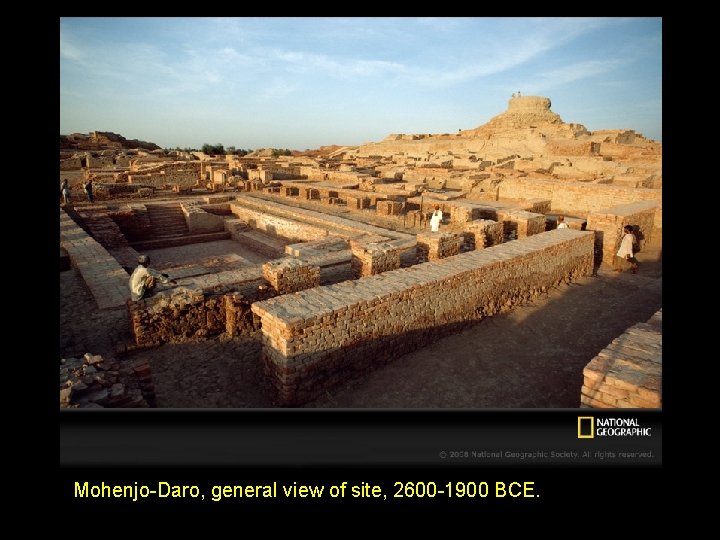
(144, 279)
(436, 219)
(561, 223)
(626, 253)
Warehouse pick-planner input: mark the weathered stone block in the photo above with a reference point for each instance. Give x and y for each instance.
(290, 275)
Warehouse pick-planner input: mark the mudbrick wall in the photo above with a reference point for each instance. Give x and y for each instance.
(576, 197)
(184, 179)
(278, 225)
(100, 225)
(200, 221)
(389, 208)
(103, 275)
(197, 308)
(482, 233)
(370, 258)
(608, 226)
(318, 338)
(290, 275)
(521, 222)
(433, 246)
(307, 225)
(628, 372)
(134, 222)
(211, 304)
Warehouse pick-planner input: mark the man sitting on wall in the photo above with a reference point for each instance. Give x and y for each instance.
(144, 279)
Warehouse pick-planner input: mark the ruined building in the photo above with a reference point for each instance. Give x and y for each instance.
(335, 272)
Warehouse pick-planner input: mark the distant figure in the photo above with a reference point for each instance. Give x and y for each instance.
(89, 190)
(514, 95)
(626, 251)
(518, 93)
(436, 219)
(65, 191)
(561, 223)
(144, 279)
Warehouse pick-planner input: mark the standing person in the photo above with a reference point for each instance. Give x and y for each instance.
(561, 223)
(89, 190)
(626, 251)
(144, 279)
(65, 191)
(436, 219)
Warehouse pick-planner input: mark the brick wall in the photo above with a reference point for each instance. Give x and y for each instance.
(200, 221)
(575, 197)
(521, 222)
(196, 308)
(167, 166)
(608, 226)
(483, 233)
(278, 225)
(290, 275)
(357, 203)
(463, 213)
(103, 275)
(70, 164)
(538, 206)
(318, 338)
(181, 179)
(439, 245)
(390, 208)
(207, 305)
(99, 162)
(370, 258)
(261, 211)
(106, 231)
(134, 222)
(628, 372)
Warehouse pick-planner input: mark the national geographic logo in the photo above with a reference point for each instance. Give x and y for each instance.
(586, 427)
(590, 427)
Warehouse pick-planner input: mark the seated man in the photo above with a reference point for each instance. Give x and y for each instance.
(144, 279)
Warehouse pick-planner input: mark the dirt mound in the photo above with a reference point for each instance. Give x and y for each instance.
(102, 140)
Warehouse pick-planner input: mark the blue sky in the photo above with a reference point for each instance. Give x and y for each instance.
(304, 82)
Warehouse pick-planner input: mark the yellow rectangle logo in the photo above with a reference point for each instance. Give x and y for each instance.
(586, 427)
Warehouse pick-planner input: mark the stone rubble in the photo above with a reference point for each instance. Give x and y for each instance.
(90, 382)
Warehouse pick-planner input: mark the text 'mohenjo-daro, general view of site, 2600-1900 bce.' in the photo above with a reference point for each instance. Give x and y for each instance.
(315, 279)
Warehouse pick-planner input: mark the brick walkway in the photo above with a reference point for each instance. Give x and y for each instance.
(107, 280)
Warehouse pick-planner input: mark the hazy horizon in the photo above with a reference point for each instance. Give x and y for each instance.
(301, 83)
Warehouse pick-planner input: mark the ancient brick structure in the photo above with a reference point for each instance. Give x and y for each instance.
(439, 245)
(357, 203)
(372, 257)
(291, 275)
(575, 197)
(196, 308)
(104, 276)
(483, 233)
(327, 244)
(521, 223)
(90, 382)
(390, 208)
(317, 338)
(628, 372)
(608, 226)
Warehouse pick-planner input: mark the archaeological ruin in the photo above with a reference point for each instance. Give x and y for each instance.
(300, 280)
